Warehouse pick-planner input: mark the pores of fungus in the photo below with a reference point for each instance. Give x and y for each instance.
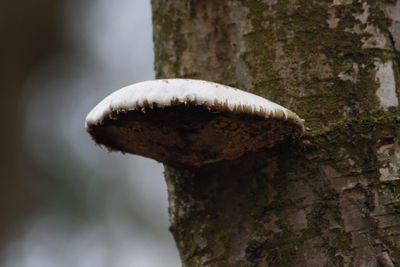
(190, 122)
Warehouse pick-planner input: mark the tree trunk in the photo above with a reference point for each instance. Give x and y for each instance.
(334, 198)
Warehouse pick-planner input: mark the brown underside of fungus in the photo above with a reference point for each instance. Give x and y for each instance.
(190, 122)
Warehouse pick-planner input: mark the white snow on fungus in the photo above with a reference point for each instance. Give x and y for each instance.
(165, 92)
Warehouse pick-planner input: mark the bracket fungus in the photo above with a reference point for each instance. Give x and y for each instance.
(189, 122)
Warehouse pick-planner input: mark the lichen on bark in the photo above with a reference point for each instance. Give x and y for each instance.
(333, 198)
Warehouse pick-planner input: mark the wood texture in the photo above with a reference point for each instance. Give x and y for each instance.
(334, 198)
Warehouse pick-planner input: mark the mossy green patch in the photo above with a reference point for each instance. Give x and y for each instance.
(289, 41)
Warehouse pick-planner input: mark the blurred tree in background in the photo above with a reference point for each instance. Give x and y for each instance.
(29, 34)
(64, 201)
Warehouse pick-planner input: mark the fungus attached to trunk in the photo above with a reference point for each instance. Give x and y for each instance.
(190, 122)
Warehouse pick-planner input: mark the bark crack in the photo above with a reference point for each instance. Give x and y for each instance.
(396, 52)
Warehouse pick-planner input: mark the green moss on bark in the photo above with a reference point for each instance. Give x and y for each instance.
(276, 206)
(306, 40)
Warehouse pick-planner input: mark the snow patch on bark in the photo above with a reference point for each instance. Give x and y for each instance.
(387, 85)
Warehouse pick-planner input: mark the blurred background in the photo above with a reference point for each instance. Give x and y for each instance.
(64, 201)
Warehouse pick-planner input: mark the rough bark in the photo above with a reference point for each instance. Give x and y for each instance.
(334, 198)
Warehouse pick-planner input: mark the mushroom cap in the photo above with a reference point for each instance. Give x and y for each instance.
(190, 122)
